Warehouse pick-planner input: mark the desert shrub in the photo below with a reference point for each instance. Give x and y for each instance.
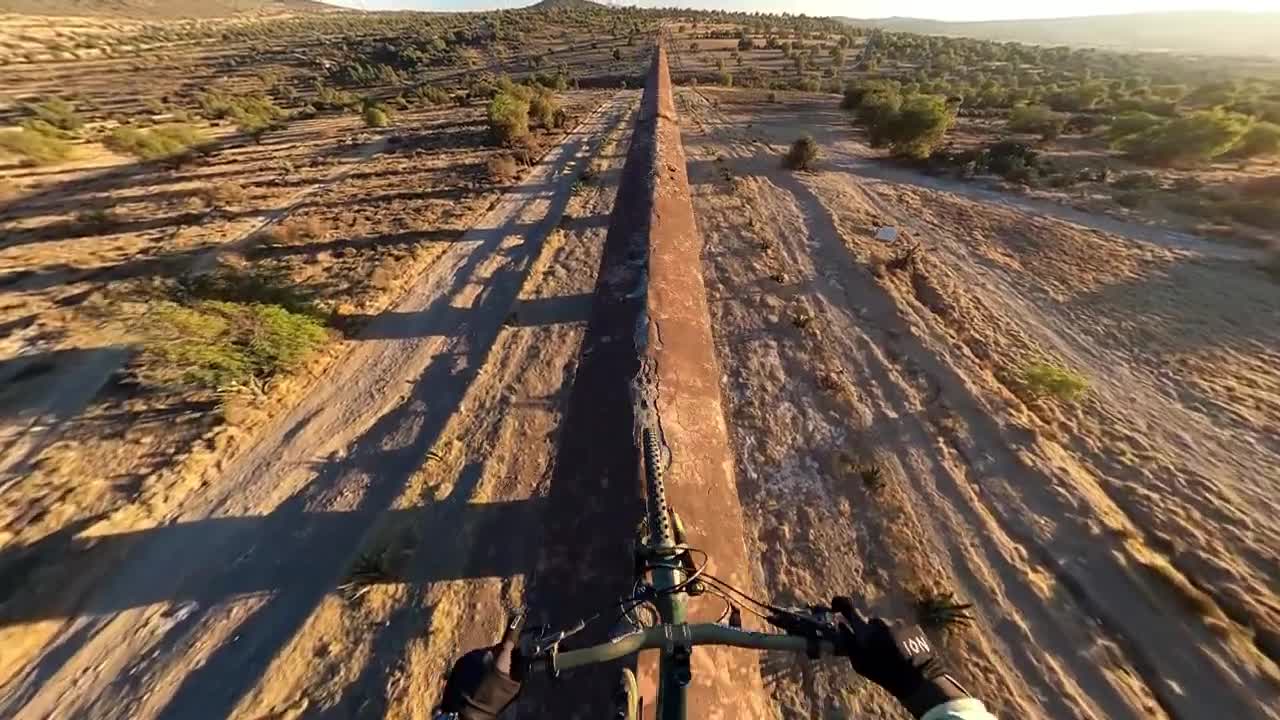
(502, 168)
(877, 111)
(1262, 139)
(919, 126)
(1131, 123)
(253, 113)
(508, 118)
(44, 128)
(544, 110)
(432, 95)
(292, 232)
(617, 54)
(376, 116)
(157, 143)
(58, 113)
(1047, 380)
(1082, 124)
(802, 155)
(34, 148)
(1136, 181)
(1196, 138)
(725, 79)
(219, 344)
(328, 98)
(1038, 119)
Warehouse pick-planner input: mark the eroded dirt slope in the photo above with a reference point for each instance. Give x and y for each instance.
(1118, 550)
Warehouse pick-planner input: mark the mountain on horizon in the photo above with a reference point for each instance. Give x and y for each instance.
(159, 9)
(1198, 33)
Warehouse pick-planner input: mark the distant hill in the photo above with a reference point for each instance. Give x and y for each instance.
(154, 9)
(1201, 33)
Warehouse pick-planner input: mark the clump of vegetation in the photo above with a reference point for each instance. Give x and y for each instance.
(1262, 139)
(253, 113)
(545, 110)
(1136, 181)
(938, 609)
(918, 126)
(226, 332)
(157, 143)
(432, 95)
(34, 148)
(1038, 119)
(1047, 380)
(911, 125)
(508, 118)
(328, 98)
(221, 345)
(1193, 139)
(376, 116)
(802, 155)
(502, 168)
(57, 113)
(293, 231)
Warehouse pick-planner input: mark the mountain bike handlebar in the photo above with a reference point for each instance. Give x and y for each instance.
(669, 637)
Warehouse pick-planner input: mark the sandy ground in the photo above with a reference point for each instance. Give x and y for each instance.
(1120, 551)
(410, 468)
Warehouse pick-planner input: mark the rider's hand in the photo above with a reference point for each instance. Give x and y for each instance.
(898, 658)
(484, 682)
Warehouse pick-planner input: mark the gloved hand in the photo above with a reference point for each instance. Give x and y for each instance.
(898, 658)
(484, 682)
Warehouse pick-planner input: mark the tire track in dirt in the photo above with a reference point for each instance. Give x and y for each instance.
(918, 376)
(204, 603)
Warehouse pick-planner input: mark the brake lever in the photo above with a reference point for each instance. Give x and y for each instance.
(540, 643)
(816, 623)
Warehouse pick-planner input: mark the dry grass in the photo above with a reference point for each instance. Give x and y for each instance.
(938, 609)
(502, 168)
(293, 231)
(223, 194)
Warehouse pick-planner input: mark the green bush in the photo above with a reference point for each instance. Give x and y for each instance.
(328, 98)
(1046, 380)
(919, 125)
(1136, 181)
(162, 141)
(544, 110)
(432, 95)
(1132, 123)
(253, 113)
(802, 155)
(34, 148)
(508, 118)
(1196, 138)
(219, 344)
(58, 113)
(1038, 119)
(376, 117)
(1261, 140)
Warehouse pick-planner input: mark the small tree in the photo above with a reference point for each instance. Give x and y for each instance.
(544, 110)
(508, 118)
(919, 125)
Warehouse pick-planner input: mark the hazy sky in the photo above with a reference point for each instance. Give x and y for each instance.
(937, 9)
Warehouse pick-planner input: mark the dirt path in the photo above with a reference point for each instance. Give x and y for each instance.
(388, 480)
(1117, 550)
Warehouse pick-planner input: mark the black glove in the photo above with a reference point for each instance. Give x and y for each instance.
(484, 682)
(898, 658)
